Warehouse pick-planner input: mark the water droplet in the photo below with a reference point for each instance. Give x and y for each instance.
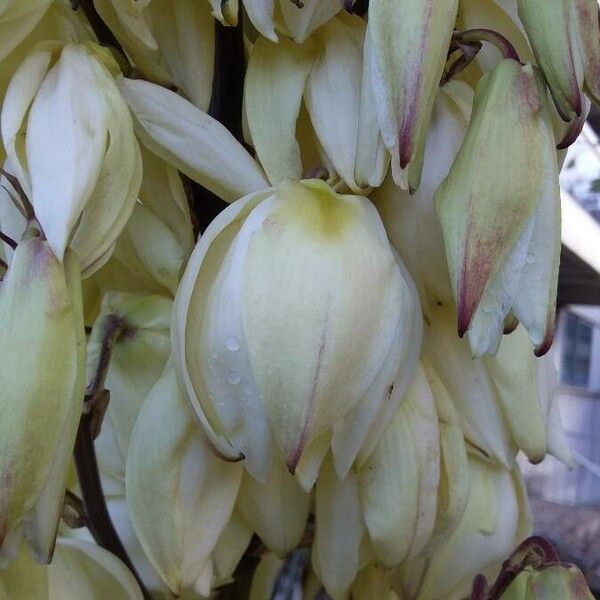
(529, 259)
(232, 343)
(234, 377)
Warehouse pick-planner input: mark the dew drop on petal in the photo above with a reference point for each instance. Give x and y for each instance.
(232, 343)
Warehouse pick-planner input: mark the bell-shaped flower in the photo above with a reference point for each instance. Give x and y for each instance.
(80, 569)
(499, 209)
(172, 42)
(408, 50)
(416, 481)
(506, 402)
(565, 37)
(276, 296)
(69, 135)
(410, 220)
(180, 496)
(496, 519)
(42, 372)
(137, 361)
(326, 71)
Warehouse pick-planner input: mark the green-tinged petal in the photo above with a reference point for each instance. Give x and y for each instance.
(138, 359)
(180, 495)
(157, 247)
(373, 582)
(141, 48)
(454, 486)
(409, 53)
(552, 29)
(185, 34)
(260, 13)
(23, 578)
(411, 221)
(231, 547)
(113, 198)
(338, 530)
(372, 158)
(163, 193)
(398, 482)
(192, 141)
(333, 93)
(84, 571)
(301, 22)
(487, 204)
(493, 523)
(589, 35)
(513, 374)
(360, 430)
(190, 304)
(275, 82)
(23, 87)
(18, 18)
(276, 510)
(472, 393)
(226, 11)
(41, 527)
(265, 576)
(37, 327)
(68, 121)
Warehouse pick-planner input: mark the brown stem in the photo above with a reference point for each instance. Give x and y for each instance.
(98, 518)
(467, 55)
(8, 240)
(488, 35)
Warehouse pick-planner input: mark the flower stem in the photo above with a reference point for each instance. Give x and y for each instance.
(98, 518)
(488, 35)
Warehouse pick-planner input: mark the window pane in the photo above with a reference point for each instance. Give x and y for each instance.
(577, 348)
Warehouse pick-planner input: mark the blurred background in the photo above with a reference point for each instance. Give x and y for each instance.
(566, 503)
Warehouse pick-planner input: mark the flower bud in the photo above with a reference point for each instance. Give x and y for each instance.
(566, 42)
(499, 209)
(560, 580)
(408, 54)
(180, 495)
(42, 373)
(81, 167)
(275, 336)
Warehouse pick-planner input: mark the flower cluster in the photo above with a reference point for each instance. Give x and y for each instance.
(324, 393)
